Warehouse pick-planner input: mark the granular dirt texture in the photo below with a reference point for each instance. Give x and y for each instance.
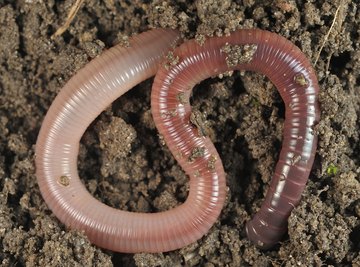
(243, 114)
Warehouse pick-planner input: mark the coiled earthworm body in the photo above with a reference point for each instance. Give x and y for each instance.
(117, 70)
(290, 71)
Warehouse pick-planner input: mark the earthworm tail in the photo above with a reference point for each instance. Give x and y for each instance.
(290, 71)
(89, 92)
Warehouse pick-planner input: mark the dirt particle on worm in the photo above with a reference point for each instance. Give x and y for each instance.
(169, 114)
(196, 152)
(64, 180)
(196, 119)
(178, 155)
(238, 54)
(211, 162)
(295, 159)
(292, 105)
(171, 60)
(301, 80)
(181, 97)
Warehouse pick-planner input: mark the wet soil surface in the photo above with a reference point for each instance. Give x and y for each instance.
(244, 112)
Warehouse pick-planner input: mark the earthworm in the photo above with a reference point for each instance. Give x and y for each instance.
(289, 70)
(117, 70)
(82, 98)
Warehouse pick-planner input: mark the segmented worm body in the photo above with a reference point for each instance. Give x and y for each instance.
(117, 70)
(290, 71)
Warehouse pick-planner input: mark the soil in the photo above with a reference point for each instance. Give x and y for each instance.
(244, 114)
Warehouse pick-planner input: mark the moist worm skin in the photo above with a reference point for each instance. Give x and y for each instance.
(290, 71)
(89, 92)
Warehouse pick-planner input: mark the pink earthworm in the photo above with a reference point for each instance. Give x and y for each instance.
(289, 70)
(119, 69)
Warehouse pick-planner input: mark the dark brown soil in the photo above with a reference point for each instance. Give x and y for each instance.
(245, 115)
